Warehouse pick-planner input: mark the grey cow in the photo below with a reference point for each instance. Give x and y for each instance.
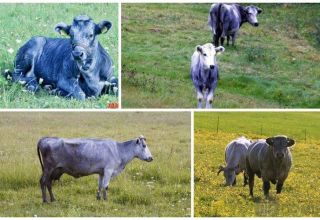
(77, 67)
(225, 20)
(204, 72)
(85, 156)
(235, 157)
(270, 160)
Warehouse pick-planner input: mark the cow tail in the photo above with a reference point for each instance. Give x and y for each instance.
(39, 155)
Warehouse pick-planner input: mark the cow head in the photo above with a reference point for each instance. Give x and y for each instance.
(208, 55)
(83, 38)
(229, 175)
(142, 151)
(251, 14)
(279, 145)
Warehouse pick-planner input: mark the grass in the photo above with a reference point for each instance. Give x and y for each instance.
(159, 188)
(273, 66)
(300, 195)
(19, 22)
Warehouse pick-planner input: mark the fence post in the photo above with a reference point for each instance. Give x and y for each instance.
(305, 135)
(218, 125)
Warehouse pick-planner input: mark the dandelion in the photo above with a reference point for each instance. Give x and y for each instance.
(18, 41)
(10, 50)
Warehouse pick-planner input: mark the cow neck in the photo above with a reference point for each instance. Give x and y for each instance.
(276, 165)
(126, 151)
(242, 14)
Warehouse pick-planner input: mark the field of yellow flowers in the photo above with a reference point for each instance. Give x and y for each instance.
(301, 192)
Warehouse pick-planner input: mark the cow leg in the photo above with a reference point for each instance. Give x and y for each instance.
(71, 88)
(100, 187)
(43, 188)
(245, 179)
(209, 99)
(228, 39)
(279, 187)
(222, 40)
(199, 96)
(234, 182)
(49, 186)
(216, 40)
(233, 36)
(250, 176)
(266, 187)
(105, 182)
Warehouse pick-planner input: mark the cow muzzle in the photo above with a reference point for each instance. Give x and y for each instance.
(256, 24)
(211, 67)
(149, 159)
(79, 53)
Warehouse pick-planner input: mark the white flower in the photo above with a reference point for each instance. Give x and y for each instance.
(10, 50)
(18, 41)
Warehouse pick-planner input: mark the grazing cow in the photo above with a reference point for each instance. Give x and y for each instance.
(205, 72)
(225, 20)
(270, 160)
(77, 67)
(235, 157)
(83, 157)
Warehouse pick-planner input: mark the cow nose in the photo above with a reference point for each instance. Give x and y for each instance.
(150, 159)
(280, 155)
(212, 67)
(256, 24)
(77, 54)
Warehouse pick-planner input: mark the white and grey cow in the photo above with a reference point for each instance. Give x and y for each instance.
(225, 20)
(204, 72)
(235, 158)
(86, 156)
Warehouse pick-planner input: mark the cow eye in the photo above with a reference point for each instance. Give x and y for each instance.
(91, 35)
(144, 146)
(205, 54)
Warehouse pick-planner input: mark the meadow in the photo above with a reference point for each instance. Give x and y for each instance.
(273, 66)
(159, 188)
(300, 196)
(20, 22)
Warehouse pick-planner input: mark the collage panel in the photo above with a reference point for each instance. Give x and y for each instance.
(59, 55)
(271, 61)
(146, 154)
(276, 154)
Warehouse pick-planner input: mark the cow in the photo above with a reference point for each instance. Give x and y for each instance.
(225, 20)
(235, 158)
(271, 160)
(85, 156)
(77, 67)
(204, 72)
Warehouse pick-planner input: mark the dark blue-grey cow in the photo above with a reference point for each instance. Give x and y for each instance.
(270, 160)
(77, 67)
(205, 72)
(86, 156)
(225, 20)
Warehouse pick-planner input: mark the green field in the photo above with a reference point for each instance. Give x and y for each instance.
(276, 65)
(159, 188)
(300, 196)
(19, 22)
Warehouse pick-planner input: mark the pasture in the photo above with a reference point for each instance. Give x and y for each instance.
(19, 22)
(275, 65)
(158, 188)
(300, 196)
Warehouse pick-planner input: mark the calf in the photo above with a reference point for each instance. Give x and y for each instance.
(270, 160)
(205, 72)
(225, 20)
(83, 157)
(77, 67)
(235, 157)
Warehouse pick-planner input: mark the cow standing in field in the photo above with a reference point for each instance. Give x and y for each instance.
(235, 157)
(83, 157)
(225, 20)
(270, 160)
(77, 67)
(205, 72)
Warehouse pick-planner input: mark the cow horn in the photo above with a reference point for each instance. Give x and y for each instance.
(221, 168)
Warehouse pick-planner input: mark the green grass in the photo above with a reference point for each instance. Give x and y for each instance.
(273, 66)
(159, 188)
(300, 196)
(19, 22)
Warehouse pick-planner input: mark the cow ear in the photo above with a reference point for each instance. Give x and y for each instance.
(259, 10)
(199, 49)
(290, 142)
(103, 27)
(138, 141)
(219, 49)
(62, 28)
(269, 141)
(221, 168)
